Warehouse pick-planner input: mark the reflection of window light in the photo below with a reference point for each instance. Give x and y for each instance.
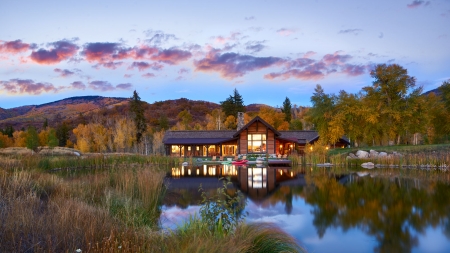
(189, 172)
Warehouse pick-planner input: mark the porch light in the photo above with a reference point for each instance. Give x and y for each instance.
(327, 147)
(198, 148)
(189, 148)
(310, 148)
(281, 146)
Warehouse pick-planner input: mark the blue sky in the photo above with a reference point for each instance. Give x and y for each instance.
(202, 50)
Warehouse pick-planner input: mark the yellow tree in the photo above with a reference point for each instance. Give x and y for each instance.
(5, 141)
(214, 121)
(20, 139)
(43, 137)
(84, 138)
(158, 145)
(124, 134)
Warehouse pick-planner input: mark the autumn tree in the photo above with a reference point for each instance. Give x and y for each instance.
(137, 109)
(321, 111)
(214, 121)
(233, 104)
(32, 139)
(19, 138)
(185, 118)
(5, 141)
(287, 108)
(389, 94)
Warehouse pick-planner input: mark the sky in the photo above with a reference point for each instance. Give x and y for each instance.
(203, 50)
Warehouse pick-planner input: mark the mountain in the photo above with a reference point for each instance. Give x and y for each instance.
(65, 109)
(436, 91)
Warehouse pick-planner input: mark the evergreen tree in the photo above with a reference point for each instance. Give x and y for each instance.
(45, 125)
(287, 107)
(137, 109)
(62, 133)
(233, 104)
(32, 139)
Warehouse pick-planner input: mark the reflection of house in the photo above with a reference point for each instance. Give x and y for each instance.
(257, 137)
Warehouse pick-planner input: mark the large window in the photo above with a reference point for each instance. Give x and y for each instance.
(257, 143)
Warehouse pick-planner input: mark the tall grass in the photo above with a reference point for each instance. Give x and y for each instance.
(195, 236)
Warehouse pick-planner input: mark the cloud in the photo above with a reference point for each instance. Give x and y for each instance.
(148, 75)
(309, 69)
(124, 86)
(249, 18)
(416, 4)
(145, 65)
(78, 85)
(101, 86)
(233, 65)
(234, 36)
(255, 46)
(127, 75)
(64, 72)
(353, 31)
(27, 86)
(15, 47)
(109, 65)
(309, 54)
(105, 52)
(285, 32)
(182, 72)
(171, 56)
(381, 35)
(59, 51)
(158, 37)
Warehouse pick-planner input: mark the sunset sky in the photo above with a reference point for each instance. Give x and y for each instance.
(202, 50)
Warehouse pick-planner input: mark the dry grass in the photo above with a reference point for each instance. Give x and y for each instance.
(106, 210)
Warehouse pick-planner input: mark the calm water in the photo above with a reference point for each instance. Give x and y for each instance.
(367, 211)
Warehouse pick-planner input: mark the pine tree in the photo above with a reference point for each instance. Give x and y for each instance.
(233, 104)
(287, 107)
(137, 108)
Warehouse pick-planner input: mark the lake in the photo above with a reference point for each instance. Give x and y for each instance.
(328, 209)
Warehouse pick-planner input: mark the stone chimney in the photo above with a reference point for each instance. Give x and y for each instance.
(240, 121)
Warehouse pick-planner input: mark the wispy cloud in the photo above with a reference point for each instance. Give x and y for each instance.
(158, 37)
(148, 75)
(64, 72)
(416, 4)
(285, 31)
(255, 46)
(352, 31)
(59, 51)
(249, 18)
(141, 66)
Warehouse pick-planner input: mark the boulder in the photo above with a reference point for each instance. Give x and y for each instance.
(382, 154)
(373, 153)
(362, 154)
(352, 155)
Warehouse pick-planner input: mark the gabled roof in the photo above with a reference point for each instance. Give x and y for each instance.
(198, 137)
(256, 119)
(301, 137)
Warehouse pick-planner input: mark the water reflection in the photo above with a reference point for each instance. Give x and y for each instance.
(329, 212)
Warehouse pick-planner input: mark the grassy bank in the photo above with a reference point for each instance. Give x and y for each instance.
(105, 204)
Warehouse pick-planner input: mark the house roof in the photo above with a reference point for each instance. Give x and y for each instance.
(256, 119)
(198, 137)
(301, 137)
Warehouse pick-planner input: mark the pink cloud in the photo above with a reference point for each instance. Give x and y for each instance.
(233, 65)
(109, 65)
(148, 75)
(78, 85)
(124, 86)
(298, 74)
(171, 56)
(59, 51)
(285, 32)
(27, 86)
(14, 47)
(309, 54)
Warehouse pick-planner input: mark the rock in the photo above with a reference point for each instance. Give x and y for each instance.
(352, 155)
(368, 165)
(76, 153)
(349, 157)
(373, 153)
(362, 154)
(382, 154)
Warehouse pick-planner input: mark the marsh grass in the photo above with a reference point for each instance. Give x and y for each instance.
(106, 204)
